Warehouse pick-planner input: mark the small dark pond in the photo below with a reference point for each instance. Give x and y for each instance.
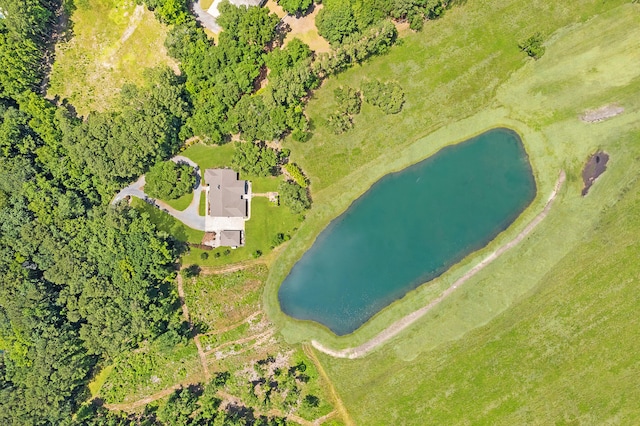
(409, 228)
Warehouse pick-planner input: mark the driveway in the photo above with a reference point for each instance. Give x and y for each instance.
(205, 19)
(189, 216)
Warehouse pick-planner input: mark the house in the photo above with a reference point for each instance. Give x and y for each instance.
(227, 193)
(228, 206)
(213, 10)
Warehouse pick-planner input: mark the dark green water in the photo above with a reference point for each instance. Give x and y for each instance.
(409, 228)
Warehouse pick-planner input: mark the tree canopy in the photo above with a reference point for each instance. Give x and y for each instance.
(295, 7)
(294, 196)
(336, 21)
(255, 159)
(169, 180)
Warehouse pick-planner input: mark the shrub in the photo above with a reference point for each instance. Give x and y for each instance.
(256, 254)
(296, 174)
(340, 122)
(311, 401)
(416, 22)
(300, 135)
(533, 46)
(387, 96)
(279, 239)
(191, 271)
(294, 196)
(204, 255)
(348, 100)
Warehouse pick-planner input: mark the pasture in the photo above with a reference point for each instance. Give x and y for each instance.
(526, 328)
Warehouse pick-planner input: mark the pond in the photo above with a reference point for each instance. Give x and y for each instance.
(409, 228)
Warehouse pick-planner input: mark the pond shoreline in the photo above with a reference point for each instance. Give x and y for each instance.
(409, 228)
(406, 321)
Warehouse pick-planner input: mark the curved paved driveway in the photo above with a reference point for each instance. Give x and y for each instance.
(189, 216)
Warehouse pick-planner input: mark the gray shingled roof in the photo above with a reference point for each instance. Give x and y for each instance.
(231, 238)
(225, 193)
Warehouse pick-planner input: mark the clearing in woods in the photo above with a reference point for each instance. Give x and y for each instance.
(109, 43)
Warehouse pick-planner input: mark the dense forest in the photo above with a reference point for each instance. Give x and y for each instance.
(80, 280)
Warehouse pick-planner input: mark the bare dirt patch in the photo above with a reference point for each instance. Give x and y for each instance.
(602, 113)
(403, 27)
(596, 165)
(304, 28)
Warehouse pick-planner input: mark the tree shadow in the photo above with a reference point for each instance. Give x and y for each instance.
(61, 31)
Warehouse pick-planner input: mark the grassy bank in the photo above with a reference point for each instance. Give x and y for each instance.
(570, 340)
(563, 144)
(467, 77)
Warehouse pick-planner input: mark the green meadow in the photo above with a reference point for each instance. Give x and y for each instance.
(530, 328)
(110, 43)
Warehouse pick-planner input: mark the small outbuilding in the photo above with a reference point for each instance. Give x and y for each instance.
(213, 10)
(231, 239)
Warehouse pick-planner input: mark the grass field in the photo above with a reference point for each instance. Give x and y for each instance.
(168, 223)
(535, 320)
(210, 157)
(222, 300)
(181, 203)
(112, 43)
(150, 369)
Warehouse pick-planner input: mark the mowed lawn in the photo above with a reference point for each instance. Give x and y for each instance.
(546, 333)
(110, 43)
(267, 220)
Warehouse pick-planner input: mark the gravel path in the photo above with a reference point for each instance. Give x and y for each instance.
(398, 326)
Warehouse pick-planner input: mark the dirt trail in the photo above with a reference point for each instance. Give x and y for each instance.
(336, 398)
(144, 401)
(232, 326)
(211, 270)
(257, 337)
(134, 21)
(398, 326)
(203, 358)
(321, 420)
